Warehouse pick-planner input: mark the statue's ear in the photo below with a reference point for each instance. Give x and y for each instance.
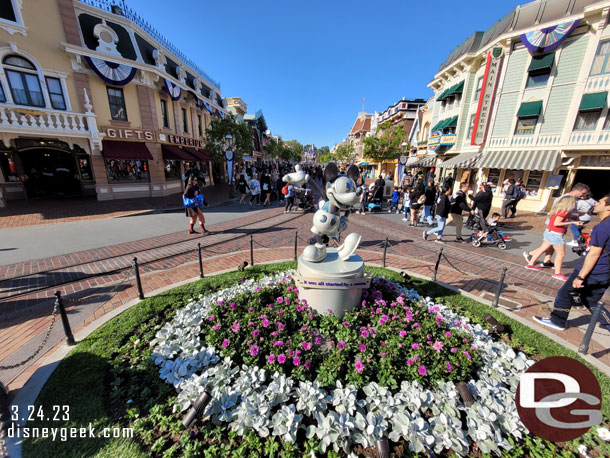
(331, 171)
(353, 172)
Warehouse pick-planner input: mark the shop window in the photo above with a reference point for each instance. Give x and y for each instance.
(24, 83)
(493, 178)
(116, 100)
(511, 174)
(533, 183)
(126, 170)
(601, 66)
(537, 80)
(477, 92)
(171, 169)
(56, 93)
(586, 120)
(526, 126)
(84, 166)
(185, 124)
(164, 114)
(9, 167)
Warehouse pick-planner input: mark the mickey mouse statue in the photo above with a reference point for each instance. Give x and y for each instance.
(342, 194)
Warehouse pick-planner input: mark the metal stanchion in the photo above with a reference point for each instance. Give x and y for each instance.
(465, 394)
(584, 345)
(500, 285)
(383, 448)
(138, 280)
(64, 318)
(251, 250)
(438, 261)
(296, 234)
(495, 324)
(385, 250)
(5, 415)
(200, 261)
(198, 407)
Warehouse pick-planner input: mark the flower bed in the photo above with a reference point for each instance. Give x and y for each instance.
(387, 369)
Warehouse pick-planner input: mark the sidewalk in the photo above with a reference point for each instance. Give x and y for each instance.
(25, 322)
(20, 213)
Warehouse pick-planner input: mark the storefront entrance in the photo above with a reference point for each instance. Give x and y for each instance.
(49, 173)
(596, 179)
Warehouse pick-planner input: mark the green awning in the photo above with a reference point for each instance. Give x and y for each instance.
(530, 109)
(436, 126)
(443, 95)
(451, 122)
(542, 63)
(457, 89)
(594, 101)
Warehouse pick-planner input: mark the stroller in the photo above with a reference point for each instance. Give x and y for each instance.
(472, 222)
(305, 197)
(375, 205)
(583, 242)
(487, 235)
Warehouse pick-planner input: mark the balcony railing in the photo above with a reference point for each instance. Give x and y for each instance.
(138, 20)
(19, 119)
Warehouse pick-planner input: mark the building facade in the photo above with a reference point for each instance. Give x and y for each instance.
(528, 99)
(94, 101)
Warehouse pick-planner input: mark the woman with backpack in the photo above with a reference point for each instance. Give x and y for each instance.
(513, 192)
(288, 197)
(242, 186)
(191, 191)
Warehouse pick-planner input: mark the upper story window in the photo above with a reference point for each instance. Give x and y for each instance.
(185, 124)
(587, 120)
(116, 100)
(164, 114)
(471, 125)
(590, 110)
(2, 95)
(199, 126)
(539, 70)
(601, 66)
(7, 11)
(528, 115)
(23, 81)
(477, 91)
(56, 93)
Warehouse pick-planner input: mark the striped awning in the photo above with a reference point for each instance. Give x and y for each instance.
(427, 161)
(521, 160)
(462, 161)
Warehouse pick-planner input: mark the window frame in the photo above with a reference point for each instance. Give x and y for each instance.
(471, 126)
(164, 113)
(519, 120)
(534, 84)
(604, 67)
(22, 75)
(2, 94)
(185, 126)
(199, 126)
(61, 93)
(479, 88)
(110, 103)
(579, 117)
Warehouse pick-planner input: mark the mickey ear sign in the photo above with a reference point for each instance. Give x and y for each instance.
(353, 172)
(331, 171)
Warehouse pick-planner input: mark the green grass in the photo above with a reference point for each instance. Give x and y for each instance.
(112, 366)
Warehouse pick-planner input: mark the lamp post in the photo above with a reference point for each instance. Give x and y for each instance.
(229, 156)
(402, 166)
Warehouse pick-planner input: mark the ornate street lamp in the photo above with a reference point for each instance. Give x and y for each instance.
(229, 156)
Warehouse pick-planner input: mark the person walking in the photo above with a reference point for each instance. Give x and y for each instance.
(255, 189)
(553, 236)
(481, 201)
(459, 205)
(406, 203)
(266, 189)
(191, 191)
(584, 207)
(510, 197)
(430, 193)
(442, 207)
(242, 187)
(363, 201)
(394, 201)
(417, 197)
(591, 277)
(289, 198)
(448, 181)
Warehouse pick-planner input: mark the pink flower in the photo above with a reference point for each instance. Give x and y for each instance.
(217, 327)
(306, 345)
(254, 350)
(414, 346)
(265, 323)
(235, 327)
(383, 354)
(346, 324)
(232, 305)
(453, 350)
(278, 343)
(290, 352)
(255, 333)
(409, 362)
(249, 341)
(359, 366)
(225, 342)
(467, 354)
(211, 318)
(421, 370)
(310, 315)
(280, 326)
(362, 347)
(447, 334)
(280, 299)
(296, 361)
(307, 364)
(251, 323)
(341, 344)
(378, 311)
(415, 325)
(274, 334)
(250, 309)
(402, 333)
(270, 358)
(281, 358)
(364, 334)
(318, 341)
(383, 344)
(448, 364)
(438, 346)
(221, 302)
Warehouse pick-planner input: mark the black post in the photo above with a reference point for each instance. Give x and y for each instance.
(438, 261)
(499, 290)
(465, 394)
(296, 234)
(200, 261)
(584, 345)
(5, 416)
(385, 250)
(197, 409)
(251, 250)
(64, 318)
(138, 280)
(383, 448)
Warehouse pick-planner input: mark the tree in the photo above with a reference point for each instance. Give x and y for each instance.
(216, 136)
(295, 148)
(345, 153)
(386, 145)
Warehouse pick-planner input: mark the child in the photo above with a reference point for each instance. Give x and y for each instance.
(363, 201)
(407, 203)
(395, 199)
(493, 222)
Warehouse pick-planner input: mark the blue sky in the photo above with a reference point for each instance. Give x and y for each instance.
(308, 64)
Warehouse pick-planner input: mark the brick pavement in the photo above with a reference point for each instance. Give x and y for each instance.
(475, 271)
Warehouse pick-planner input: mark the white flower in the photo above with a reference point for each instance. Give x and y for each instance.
(603, 434)
(582, 449)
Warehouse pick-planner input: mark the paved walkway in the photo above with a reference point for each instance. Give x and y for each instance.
(170, 259)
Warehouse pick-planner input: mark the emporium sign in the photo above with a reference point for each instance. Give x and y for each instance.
(437, 139)
(490, 78)
(119, 133)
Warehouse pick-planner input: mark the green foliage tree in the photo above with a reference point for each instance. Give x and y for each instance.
(295, 150)
(386, 145)
(344, 153)
(218, 130)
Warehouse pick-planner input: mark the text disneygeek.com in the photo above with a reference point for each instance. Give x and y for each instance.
(63, 434)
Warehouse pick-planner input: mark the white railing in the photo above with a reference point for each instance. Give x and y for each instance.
(526, 141)
(597, 83)
(590, 138)
(17, 119)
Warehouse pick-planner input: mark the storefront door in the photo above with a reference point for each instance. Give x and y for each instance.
(50, 173)
(596, 179)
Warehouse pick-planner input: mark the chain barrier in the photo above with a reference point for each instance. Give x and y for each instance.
(455, 268)
(3, 452)
(40, 347)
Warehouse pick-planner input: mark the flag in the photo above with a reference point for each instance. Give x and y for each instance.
(362, 99)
